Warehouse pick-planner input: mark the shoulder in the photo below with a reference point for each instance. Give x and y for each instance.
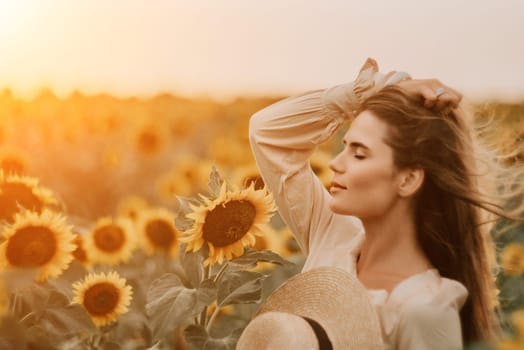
(438, 299)
(422, 315)
(432, 320)
(430, 327)
(429, 290)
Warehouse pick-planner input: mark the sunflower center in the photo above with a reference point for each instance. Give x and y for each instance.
(148, 141)
(14, 195)
(101, 299)
(109, 238)
(132, 214)
(514, 262)
(160, 233)
(259, 183)
(31, 246)
(12, 166)
(228, 223)
(79, 253)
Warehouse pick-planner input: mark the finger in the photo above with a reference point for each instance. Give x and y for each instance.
(455, 92)
(441, 105)
(450, 98)
(429, 96)
(454, 97)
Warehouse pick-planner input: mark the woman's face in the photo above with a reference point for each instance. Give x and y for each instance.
(365, 178)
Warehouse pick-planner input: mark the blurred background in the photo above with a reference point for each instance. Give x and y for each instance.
(117, 93)
(117, 106)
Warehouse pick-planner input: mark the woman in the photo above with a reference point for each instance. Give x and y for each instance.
(404, 211)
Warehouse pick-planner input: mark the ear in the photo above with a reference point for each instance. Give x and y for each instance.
(411, 180)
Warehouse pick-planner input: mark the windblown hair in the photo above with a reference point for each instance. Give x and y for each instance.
(466, 189)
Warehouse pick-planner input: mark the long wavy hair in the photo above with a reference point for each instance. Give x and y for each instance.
(465, 191)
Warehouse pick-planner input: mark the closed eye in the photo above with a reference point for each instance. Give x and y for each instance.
(359, 156)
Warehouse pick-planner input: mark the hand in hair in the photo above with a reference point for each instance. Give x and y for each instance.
(425, 88)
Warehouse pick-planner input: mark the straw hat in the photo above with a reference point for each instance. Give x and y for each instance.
(330, 296)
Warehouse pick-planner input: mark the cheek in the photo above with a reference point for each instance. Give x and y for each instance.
(369, 176)
(370, 191)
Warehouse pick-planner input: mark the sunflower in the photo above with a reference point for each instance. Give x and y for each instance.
(245, 175)
(319, 162)
(22, 191)
(149, 140)
(229, 222)
(14, 162)
(512, 259)
(289, 242)
(38, 241)
(517, 342)
(79, 253)
(157, 231)
(130, 206)
(110, 241)
(111, 158)
(517, 318)
(188, 175)
(103, 296)
(229, 151)
(181, 126)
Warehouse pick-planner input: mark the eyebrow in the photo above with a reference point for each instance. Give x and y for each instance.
(356, 144)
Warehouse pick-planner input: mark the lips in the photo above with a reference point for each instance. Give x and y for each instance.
(335, 184)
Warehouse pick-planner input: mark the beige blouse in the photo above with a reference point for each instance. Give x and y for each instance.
(422, 311)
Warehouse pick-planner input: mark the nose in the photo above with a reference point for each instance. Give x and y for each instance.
(334, 164)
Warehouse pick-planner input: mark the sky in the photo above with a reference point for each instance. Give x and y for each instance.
(227, 48)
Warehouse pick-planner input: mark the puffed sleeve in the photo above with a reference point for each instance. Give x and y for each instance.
(425, 327)
(285, 134)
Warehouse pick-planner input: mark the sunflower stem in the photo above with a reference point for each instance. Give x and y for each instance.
(203, 315)
(212, 318)
(221, 272)
(26, 316)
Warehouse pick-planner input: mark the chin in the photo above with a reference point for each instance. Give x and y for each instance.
(338, 210)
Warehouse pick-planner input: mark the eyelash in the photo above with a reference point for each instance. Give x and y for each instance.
(357, 156)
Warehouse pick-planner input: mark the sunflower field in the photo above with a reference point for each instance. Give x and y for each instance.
(143, 223)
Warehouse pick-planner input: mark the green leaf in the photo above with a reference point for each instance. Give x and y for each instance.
(67, 320)
(215, 182)
(170, 304)
(29, 300)
(252, 256)
(511, 296)
(182, 223)
(240, 287)
(38, 338)
(12, 334)
(192, 263)
(51, 311)
(156, 346)
(198, 338)
(75, 272)
(18, 279)
(110, 346)
(132, 330)
(57, 299)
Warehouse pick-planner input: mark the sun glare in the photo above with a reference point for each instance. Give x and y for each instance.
(14, 16)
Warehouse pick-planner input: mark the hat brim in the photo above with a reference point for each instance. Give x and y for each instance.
(336, 300)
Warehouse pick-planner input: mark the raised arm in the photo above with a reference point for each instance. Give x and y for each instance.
(285, 134)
